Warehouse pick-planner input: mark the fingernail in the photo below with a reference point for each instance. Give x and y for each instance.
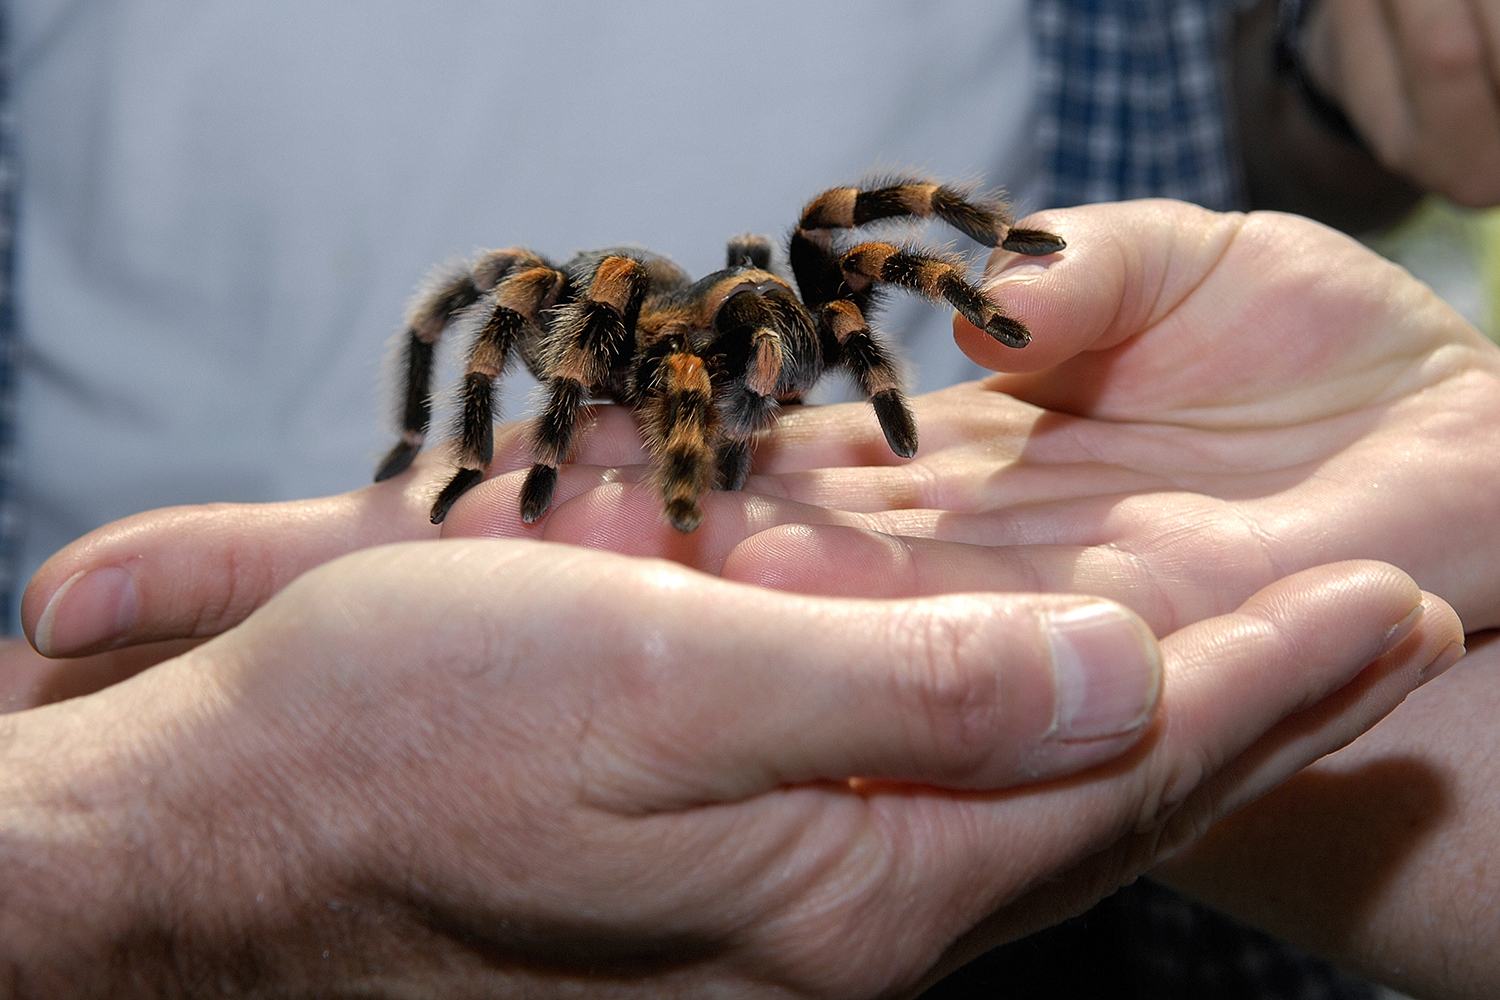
(1017, 270)
(1401, 630)
(92, 607)
(1451, 654)
(1108, 672)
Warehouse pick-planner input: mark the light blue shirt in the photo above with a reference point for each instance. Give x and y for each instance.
(225, 206)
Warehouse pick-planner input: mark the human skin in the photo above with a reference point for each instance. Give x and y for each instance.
(485, 768)
(1381, 856)
(1418, 79)
(1378, 857)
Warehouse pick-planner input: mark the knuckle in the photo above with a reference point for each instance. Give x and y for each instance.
(953, 687)
(1450, 50)
(1478, 186)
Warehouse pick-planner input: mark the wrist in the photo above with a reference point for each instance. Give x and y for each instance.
(67, 872)
(125, 865)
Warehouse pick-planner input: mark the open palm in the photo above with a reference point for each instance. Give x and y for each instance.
(1210, 402)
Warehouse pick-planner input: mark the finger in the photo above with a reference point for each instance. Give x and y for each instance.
(1340, 645)
(848, 436)
(1434, 643)
(1318, 630)
(1126, 267)
(186, 572)
(620, 510)
(1455, 147)
(492, 509)
(959, 691)
(1157, 572)
(1352, 52)
(28, 679)
(1227, 682)
(700, 690)
(1232, 678)
(607, 435)
(1487, 12)
(1210, 321)
(196, 571)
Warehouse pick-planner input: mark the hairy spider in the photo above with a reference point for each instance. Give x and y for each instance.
(706, 363)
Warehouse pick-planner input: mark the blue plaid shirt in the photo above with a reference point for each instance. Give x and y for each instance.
(1132, 99)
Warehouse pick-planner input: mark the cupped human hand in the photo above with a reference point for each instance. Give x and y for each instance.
(191, 572)
(1420, 81)
(494, 767)
(1209, 403)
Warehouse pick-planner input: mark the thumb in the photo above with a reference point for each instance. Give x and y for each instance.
(192, 572)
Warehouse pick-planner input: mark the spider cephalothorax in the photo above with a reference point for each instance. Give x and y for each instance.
(706, 363)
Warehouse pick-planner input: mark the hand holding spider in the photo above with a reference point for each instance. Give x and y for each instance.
(1215, 401)
(394, 774)
(1225, 374)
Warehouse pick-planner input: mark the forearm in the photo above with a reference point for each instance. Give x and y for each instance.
(1293, 162)
(1382, 857)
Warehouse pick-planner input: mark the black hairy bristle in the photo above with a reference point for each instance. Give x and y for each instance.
(1033, 242)
(733, 465)
(1010, 332)
(457, 487)
(684, 515)
(750, 249)
(417, 409)
(397, 461)
(896, 421)
(977, 222)
(886, 202)
(476, 428)
(536, 492)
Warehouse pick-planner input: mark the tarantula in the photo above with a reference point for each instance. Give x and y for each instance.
(706, 363)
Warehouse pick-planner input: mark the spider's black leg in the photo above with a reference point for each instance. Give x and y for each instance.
(680, 423)
(749, 250)
(449, 293)
(453, 294)
(872, 367)
(984, 220)
(934, 276)
(517, 302)
(587, 338)
(839, 307)
(750, 342)
(748, 405)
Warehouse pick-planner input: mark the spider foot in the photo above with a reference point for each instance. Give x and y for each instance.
(1032, 242)
(536, 492)
(457, 487)
(397, 461)
(684, 515)
(896, 421)
(1010, 332)
(733, 465)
